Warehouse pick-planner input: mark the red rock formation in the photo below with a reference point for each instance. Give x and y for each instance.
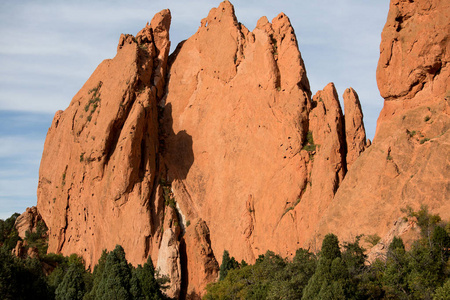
(200, 264)
(408, 161)
(236, 116)
(99, 165)
(169, 258)
(27, 221)
(221, 147)
(354, 127)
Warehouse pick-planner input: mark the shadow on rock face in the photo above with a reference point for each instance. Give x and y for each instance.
(178, 152)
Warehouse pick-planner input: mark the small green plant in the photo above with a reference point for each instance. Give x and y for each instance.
(424, 140)
(412, 133)
(63, 178)
(188, 222)
(389, 157)
(169, 200)
(310, 146)
(427, 118)
(94, 101)
(82, 157)
(373, 239)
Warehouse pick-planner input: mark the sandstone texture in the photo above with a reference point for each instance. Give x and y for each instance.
(99, 166)
(222, 146)
(355, 132)
(27, 221)
(408, 162)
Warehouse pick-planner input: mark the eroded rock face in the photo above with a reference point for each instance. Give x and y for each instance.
(169, 257)
(414, 48)
(99, 165)
(355, 132)
(27, 221)
(235, 117)
(200, 265)
(408, 161)
(220, 147)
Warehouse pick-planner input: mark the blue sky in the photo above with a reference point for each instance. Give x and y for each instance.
(49, 49)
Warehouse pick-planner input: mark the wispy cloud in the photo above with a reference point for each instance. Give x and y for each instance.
(49, 49)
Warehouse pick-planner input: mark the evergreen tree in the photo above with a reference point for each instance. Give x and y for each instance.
(21, 279)
(8, 233)
(330, 279)
(228, 263)
(443, 292)
(115, 279)
(72, 285)
(150, 286)
(330, 247)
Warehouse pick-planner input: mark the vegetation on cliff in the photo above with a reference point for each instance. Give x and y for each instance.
(52, 276)
(422, 272)
(338, 271)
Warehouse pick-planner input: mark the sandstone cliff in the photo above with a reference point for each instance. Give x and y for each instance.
(222, 146)
(99, 165)
(408, 162)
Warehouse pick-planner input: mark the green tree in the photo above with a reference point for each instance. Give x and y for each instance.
(114, 282)
(330, 247)
(443, 292)
(330, 279)
(21, 278)
(148, 283)
(38, 239)
(228, 263)
(396, 270)
(8, 232)
(73, 285)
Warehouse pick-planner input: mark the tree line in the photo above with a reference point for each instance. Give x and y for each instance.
(338, 271)
(54, 276)
(342, 271)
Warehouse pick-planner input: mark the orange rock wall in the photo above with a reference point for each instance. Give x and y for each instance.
(222, 146)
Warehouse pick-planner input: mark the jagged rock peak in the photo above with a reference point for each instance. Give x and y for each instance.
(355, 133)
(99, 164)
(407, 163)
(407, 30)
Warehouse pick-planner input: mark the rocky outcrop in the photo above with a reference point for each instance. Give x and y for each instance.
(99, 166)
(221, 147)
(236, 117)
(28, 221)
(200, 265)
(355, 132)
(408, 161)
(169, 263)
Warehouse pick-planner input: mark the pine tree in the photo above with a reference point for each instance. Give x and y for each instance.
(227, 264)
(72, 285)
(115, 279)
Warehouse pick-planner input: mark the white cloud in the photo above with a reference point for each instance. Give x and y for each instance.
(49, 49)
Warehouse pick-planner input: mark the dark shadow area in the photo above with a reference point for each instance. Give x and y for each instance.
(184, 269)
(177, 149)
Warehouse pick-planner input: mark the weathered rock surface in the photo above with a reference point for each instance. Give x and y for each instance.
(355, 132)
(99, 165)
(200, 265)
(236, 116)
(169, 263)
(27, 221)
(408, 162)
(221, 147)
